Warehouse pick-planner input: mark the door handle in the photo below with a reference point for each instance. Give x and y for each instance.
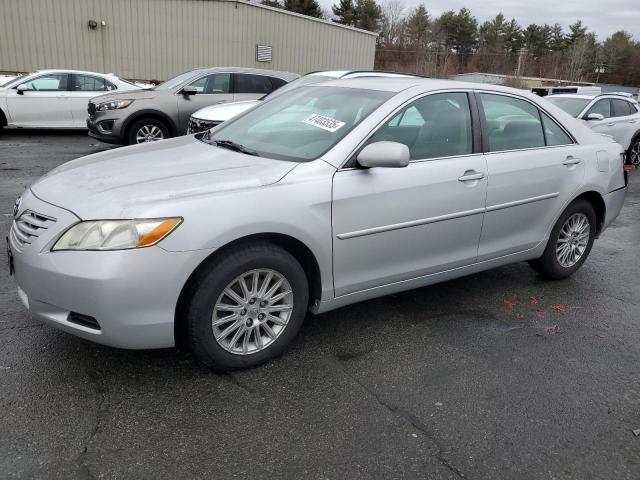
(471, 175)
(221, 101)
(610, 124)
(632, 121)
(571, 161)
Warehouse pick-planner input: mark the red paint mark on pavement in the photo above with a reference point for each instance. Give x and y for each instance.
(534, 301)
(519, 316)
(559, 308)
(551, 330)
(542, 314)
(509, 304)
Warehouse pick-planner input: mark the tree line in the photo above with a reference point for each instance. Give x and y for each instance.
(413, 40)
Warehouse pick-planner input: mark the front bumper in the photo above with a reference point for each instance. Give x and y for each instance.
(106, 130)
(132, 294)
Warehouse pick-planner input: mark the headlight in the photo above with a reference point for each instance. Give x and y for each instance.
(115, 105)
(116, 234)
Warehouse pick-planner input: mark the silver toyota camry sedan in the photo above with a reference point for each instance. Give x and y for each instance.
(331, 195)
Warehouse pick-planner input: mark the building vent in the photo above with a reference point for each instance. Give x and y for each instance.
(263, 53)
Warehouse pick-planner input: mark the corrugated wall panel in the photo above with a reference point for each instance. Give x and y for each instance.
(155, 39)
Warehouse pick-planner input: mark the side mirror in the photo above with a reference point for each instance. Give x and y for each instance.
(188, 91)
(21, 89)
(384, 155)
(595, 116)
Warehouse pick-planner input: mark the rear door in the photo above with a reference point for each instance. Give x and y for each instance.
(83, 88)
(45, 103)
(396, 224)
(250, 86)
(534, 168)
(213, 89)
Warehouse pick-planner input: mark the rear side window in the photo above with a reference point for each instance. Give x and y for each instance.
(622, 108)
(553, 134)
(512, 124)
(602, 107)
(434, 126)
(277, 82)
(245, 83)
(55, 82)
(88, 83)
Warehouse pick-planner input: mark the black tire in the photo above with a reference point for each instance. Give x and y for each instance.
(146, 122)
(548, 264)
(633, 154)
(209, 285)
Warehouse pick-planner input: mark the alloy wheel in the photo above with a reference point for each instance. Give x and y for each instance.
(149, 133)
(252, 311)
(573, 240)
(634, 154)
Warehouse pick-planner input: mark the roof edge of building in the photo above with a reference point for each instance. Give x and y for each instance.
(306, 17)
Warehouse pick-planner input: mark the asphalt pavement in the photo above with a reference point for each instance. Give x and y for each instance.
(500, 375)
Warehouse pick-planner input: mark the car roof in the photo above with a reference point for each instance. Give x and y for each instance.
(591, 97)
(64, 70)
(288, 76)
(398, 84)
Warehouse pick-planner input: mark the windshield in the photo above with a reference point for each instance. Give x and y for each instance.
(573, 106)
(175, 81)
(301, 126)
(299, 82)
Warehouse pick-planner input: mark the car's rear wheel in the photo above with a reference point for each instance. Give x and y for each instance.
(247, 306)
(147, 130)
(633, 154)
(570, 241)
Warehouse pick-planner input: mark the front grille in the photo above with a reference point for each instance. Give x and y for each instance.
(92, 108)
(197, 125)
(30, 226)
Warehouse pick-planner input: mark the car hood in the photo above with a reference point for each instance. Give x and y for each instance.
(218, 113)
(130, 181)
(135, 94)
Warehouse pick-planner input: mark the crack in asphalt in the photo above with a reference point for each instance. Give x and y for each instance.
(404, 415)
(101, 411)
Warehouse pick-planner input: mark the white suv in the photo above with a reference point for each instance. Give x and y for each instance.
(209, 117)
(613, 114)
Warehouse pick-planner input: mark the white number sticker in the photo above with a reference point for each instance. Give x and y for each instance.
(326, 123)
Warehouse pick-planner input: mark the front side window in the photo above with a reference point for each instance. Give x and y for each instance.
(213, 84)
(176, 81)
(602, 107)
(302, 125)
(512, 124)
(245, 83)
(437, 125)
(55, 82)
(622, 108)
(88, 83)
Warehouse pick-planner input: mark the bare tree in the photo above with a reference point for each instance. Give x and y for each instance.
(392, 21)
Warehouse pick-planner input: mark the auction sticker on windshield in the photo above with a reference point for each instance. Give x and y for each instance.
(326, 123)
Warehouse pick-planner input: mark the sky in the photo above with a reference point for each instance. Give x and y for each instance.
(603, 17)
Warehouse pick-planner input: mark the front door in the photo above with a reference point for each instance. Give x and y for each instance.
(45, 102)
(534, 169)
(213, 89)
(391, 225)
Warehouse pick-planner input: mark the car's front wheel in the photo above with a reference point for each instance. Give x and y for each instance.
(247, 306)
(570, 241)
(147, 130)
(633, 154)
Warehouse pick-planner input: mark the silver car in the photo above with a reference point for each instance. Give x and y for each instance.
(162, 112)
(330, 195)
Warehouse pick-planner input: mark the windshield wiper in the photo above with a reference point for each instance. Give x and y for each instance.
(231, 145)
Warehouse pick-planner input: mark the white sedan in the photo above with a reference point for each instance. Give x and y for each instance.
(54, 98)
